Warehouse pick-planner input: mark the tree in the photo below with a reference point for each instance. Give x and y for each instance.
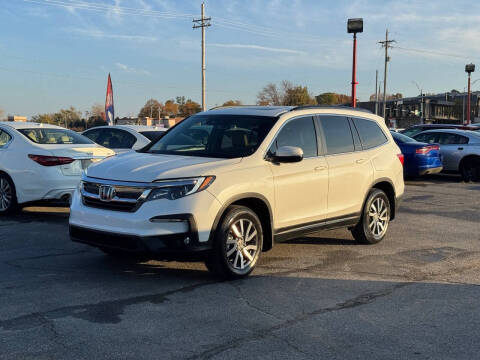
(298, 95)
(97, 111)
(152, 108)
(43, 118)
(1, 113)
(285, 94)
(171, 108)
(190, 107)
(232, 103)
(270, 95)
(330, 98)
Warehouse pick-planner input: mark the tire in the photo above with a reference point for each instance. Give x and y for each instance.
(373, 224)
(239, 233)
(470, 169)
(8, 195)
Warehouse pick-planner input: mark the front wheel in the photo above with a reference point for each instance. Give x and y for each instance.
(373, 224)
(237, 244)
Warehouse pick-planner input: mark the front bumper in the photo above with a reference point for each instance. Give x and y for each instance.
(177, 246)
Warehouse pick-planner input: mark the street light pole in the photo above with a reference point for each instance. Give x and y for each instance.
(469, 68)
(354, 26)
(421, 103)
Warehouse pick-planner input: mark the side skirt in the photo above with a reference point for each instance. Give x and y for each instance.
(296, 231)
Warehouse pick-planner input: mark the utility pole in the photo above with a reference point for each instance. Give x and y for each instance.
(386, 44)
(202, 23)
(376, 92)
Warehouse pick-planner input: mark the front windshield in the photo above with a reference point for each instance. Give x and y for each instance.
(54, 136)
(217, 136)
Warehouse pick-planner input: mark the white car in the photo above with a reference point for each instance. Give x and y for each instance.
(121, 138)
(223, 184)
(42, 162)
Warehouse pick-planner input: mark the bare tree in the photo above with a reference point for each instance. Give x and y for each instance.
(270, 95)
(97, 110)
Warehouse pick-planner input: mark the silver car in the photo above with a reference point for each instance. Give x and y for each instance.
(460, 150)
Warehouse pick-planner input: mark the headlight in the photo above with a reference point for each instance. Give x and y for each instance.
(175, 189)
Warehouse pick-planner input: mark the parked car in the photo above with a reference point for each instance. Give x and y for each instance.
(42, 162)
(416, 129)
(223, 184)
(124, 137)
(460, 150)
(420, 158)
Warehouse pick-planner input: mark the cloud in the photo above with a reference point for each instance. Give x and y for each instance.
(131, 70)
(258, 47)
(99, 34)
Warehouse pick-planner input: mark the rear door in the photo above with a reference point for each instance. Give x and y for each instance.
(300, 188)
(453, 148)
(350, 169)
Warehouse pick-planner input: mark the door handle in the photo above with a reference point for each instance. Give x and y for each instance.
(360, 161)
(460, 148)
(320, 168)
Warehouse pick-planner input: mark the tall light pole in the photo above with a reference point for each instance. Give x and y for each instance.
(202, 23)
(469, 68)
(354, 26)
(421, 99)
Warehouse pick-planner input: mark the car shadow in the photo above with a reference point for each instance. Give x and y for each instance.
(39, 214)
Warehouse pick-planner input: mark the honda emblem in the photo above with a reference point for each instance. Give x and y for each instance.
(106, 192)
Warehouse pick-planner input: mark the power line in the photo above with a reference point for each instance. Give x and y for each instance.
(430, 52)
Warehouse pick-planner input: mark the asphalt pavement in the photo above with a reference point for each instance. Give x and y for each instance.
(413, 296)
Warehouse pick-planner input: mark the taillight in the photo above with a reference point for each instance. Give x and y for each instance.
(51, 160)
(426, 149)
(401, 158)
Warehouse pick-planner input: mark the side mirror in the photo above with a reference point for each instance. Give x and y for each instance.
(288, 154)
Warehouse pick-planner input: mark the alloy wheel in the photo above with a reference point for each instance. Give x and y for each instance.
(6, 194)
(378, 217)
(242, 244)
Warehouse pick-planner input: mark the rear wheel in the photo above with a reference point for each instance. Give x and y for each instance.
(8, 198)
(237, 244)
(373, 224)
(470, 169)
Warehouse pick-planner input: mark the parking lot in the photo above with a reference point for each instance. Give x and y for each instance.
(413, 296)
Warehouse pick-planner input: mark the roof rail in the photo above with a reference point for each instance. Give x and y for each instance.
(339, 107)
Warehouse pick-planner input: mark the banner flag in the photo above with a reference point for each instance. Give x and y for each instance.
(109, 110)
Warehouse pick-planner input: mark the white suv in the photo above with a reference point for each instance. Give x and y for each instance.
(225, 184)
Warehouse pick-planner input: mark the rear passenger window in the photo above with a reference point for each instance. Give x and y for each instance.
(300, 133)
(452, 139)
(370, 133)
(338, 136)
(4, 138)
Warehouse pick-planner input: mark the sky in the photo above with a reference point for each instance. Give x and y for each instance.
(58, 53)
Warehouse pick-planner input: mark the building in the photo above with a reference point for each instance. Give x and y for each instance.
(17, 118)
(148, 121)
(446, 108)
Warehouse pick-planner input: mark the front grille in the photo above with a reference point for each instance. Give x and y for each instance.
(127, 198)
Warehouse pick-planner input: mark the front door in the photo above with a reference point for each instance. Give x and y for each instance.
(300, 188)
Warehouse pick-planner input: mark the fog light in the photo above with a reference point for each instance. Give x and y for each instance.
(186, 240)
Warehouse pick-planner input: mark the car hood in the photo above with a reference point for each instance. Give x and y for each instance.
(78, 151)
(144, 167)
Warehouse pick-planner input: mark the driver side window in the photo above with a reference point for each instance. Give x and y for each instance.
(300, 133)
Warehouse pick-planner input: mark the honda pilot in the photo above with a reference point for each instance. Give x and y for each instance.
(223, 185)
